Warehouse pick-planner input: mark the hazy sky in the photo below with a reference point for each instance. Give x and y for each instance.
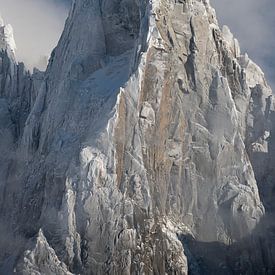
(253, 24)
(37, 26)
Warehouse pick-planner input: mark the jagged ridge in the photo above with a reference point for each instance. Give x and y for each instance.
(139, 137)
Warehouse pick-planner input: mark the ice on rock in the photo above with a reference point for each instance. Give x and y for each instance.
(7, 41)
(232, 41)
(145, 147)
(8, 33)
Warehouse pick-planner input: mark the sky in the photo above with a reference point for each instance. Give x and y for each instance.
(37, 26)
(253, 24)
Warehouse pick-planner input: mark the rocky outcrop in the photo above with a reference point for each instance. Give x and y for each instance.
(40, 259)
(140, 136)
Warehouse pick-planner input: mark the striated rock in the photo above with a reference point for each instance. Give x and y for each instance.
(137, 150)
(40, 258)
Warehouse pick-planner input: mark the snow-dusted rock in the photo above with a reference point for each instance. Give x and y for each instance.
(141, 132)
(40, 258)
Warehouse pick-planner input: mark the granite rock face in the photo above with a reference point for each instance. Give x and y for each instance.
(141, 146)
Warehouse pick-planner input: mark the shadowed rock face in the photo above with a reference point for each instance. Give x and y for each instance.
(138, 146)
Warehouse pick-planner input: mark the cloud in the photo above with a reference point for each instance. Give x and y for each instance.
(252, 22)
(37, 26)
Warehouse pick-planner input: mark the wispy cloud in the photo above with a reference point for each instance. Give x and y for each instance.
(252, 22)
(38, 24)
(37, 27)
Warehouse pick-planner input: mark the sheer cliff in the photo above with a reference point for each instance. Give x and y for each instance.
(145, 147)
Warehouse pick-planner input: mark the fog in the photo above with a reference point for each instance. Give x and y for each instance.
(37, 26)
(253, 24)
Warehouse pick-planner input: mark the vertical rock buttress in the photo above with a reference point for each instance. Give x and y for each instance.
(139, 138)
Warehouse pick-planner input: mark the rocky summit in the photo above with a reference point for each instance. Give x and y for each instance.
(146, 147)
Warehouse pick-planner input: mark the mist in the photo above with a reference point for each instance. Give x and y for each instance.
(253, 24)
(37, 26)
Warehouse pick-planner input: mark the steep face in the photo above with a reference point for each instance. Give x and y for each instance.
(141, 136)
(17, 86)
(200, 165)
(18, 91)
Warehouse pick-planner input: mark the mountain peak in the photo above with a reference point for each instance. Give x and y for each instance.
(7, 38)
(143, 149)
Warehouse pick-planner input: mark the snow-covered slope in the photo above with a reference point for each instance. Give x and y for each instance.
(138, 149)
